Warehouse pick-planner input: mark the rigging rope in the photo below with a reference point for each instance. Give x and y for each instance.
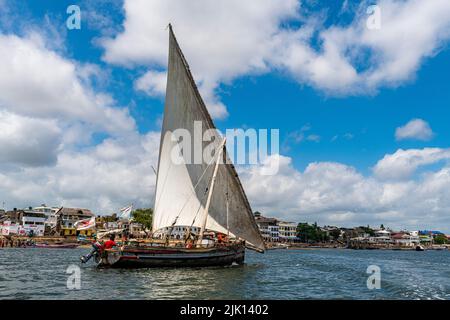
(193, 191)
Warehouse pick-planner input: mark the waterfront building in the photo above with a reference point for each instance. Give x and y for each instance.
(405, 239)
(425, 239)
(379, 240)
(176, 232)
(274, 233)
(268, 228)
(287, 231)
(137, 230)
(67, 218)
(382, 233)
(33, 222)
(111, 225)
(24, 223)
(51, 214)
(9, 228)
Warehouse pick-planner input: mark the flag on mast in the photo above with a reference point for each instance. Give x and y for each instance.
(85, 224)
(126, 212)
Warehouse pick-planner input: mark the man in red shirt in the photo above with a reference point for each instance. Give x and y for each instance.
(110, 243)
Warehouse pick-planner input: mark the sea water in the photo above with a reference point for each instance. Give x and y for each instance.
(277, 274)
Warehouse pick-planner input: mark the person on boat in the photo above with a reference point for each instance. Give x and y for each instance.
(96, 248)
(110, 243)
(222, 238)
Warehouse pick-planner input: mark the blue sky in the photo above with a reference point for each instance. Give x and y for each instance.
(332, 94)
(276, 101)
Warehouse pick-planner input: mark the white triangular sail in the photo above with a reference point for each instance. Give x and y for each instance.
(181, 188)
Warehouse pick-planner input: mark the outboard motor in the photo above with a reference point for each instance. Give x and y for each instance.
(96, 248)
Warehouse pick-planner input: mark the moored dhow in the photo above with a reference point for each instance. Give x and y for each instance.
(202, 216)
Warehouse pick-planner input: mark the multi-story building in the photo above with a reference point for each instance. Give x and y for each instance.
(274, 233)
(405, 239)
(67, 218)
(50, 213)
(287, 231)
(268, 227)
(176, 232)
(33, 222)
(24, 222)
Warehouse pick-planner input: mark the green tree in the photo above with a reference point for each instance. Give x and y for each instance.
(144, 217)
(311, 233)
(368, 230)
(440, 239)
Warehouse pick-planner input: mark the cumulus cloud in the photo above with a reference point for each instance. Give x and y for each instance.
(334, 193)
(153, 83)
(37, 82)
(410, 32)
(415, 129)
(28, 141)
(403, 163)
(222, 43)
(49, 111)
(103, 178)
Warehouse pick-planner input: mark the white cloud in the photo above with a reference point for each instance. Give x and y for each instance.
(49, 111)
(222, 43)
(333, 193)
(221, 40)
(103, 178)
(153, 83)
(403, 163)
(37, 82)
(28, 141)
(415, 129)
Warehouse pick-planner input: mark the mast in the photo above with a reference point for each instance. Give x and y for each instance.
(211, 189)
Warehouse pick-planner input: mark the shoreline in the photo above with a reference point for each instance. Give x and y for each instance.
(19, 241)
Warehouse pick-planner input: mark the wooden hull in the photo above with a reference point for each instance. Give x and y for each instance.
(168, 257)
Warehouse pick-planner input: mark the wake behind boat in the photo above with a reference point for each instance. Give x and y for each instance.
(202, 216)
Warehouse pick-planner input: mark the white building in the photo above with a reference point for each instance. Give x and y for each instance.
(267, 227)
(287, 231)
(176, 232)
(25, 222)
(382, 233)
(274, 232)
(9, 228)
(33, 222)
(406, 239)
(50, 213)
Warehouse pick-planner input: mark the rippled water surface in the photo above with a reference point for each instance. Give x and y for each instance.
(277, 274)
